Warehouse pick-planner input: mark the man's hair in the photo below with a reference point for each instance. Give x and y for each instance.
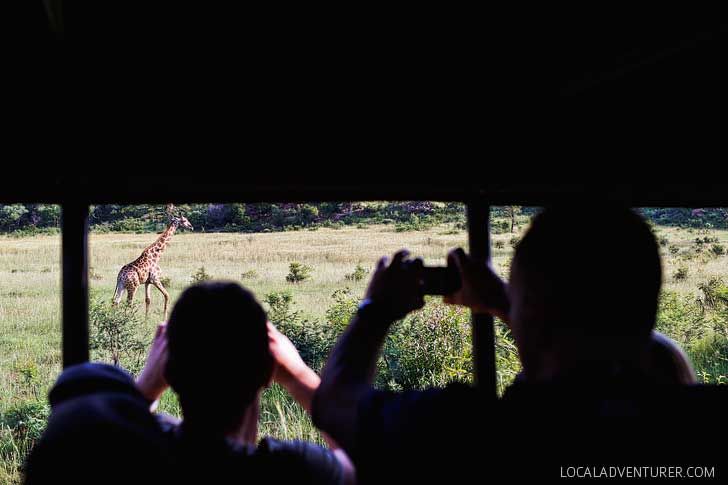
(593, 271)
(218, 352)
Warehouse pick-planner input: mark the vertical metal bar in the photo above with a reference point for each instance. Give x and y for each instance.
(74, 226)
(478, 214)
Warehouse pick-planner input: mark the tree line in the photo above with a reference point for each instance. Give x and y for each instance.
(261, 217)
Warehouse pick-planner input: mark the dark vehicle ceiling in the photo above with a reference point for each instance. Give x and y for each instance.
(364, 79)
(276, 188)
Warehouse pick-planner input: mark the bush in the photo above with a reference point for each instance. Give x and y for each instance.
(312, 339)
(298, 272)
(499, 244)
(674, 249)
(514, 241)
(664, 242)
(499, 226)
(200, 276)
(359, 273)
(238, 216)
(718, 249)
(12, 215)
(21, 425)
(26, 420)
(94, 275)
(114, 334)
(428, 348)
(714, 294)
(681, 318)
(309, 212)
(249, 275)
(166, 282)
(681, 274)
(130, 225)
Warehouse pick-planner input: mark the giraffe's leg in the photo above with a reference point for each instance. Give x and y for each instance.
(130, 291)
(164, 292)
(147, 298)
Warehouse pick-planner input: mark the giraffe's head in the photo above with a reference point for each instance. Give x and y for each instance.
(177, 219)
(182, 221)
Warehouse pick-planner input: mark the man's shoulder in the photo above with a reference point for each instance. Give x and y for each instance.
(205, 458)
(413, 403)
(92, 378)
(298, 460)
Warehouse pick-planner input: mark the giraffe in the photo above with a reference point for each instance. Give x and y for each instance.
(145, 269)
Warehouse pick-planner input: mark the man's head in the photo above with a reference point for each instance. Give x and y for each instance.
(584, 287)
(218, 353)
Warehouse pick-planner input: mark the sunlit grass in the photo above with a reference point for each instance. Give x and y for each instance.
(30, 357)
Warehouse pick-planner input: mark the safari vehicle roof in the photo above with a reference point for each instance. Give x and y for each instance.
(354, 80)
(490, 61)
(281, 188)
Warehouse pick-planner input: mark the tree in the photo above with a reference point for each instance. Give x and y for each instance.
(10, 215)
(49, 214)
(512, 211)
(237, 214)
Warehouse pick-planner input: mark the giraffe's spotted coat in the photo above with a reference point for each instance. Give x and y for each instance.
(145, 269)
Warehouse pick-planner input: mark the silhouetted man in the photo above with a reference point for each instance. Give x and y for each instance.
(100, 430)
(218, 353)
(581, 305)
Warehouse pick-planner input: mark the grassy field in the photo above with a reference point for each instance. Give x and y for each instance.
(30, 298)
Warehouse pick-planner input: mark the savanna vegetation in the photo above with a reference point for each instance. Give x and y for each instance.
(309, 265)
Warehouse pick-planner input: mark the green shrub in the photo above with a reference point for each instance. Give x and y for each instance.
(681, 274)
(166, 281)
(714, 294)
(429, 348)
(415, 223)
(709, 359)
(682, 319)
(28, 370)
(249, 275)
(674, 249)
(359, 273)
(664, 242)
(312, 339)
(21, 425)
(200, 276)
(500, 226)
(514, 241)
(309, 212)
(499, 244)
(115, 334)
(237, 215)
(94, 275)
(298, 272)
(718, 249)
(27, 420)
(130, 225)
(11, 215)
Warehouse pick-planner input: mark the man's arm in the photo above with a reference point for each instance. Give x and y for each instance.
(292, 373)
(151, 382)
(482, 290)
(394, 291)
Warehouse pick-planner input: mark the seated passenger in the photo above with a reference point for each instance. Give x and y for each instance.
(218, 353)
(581, 305)
(99, 431)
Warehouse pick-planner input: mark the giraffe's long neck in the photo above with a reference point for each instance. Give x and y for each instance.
(155, 250)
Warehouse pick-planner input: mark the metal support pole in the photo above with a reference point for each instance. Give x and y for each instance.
(74, 226)
(478, 214)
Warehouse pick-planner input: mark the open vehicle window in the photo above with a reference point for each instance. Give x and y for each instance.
(30, 327)
(308, 263)
(694, 302)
